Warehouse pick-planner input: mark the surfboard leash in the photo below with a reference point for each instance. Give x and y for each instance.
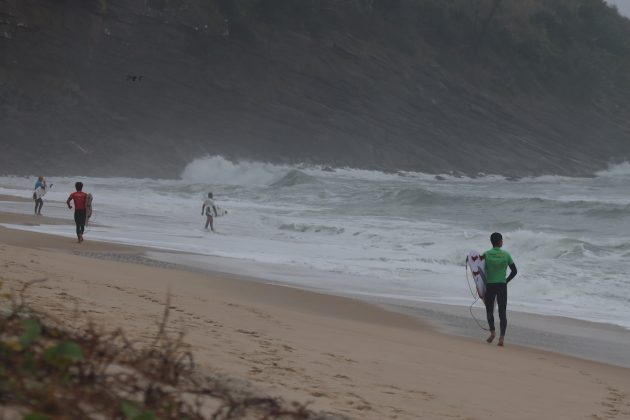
(476, 297)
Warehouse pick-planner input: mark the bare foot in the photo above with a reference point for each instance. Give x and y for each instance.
(500, 343)
(491, 338)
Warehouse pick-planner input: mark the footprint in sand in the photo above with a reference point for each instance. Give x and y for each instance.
(615, 404)
(340, 358)
(427, 396)
(362, 405)
(252, 333)
(176, 309)
(390, 389)
(318, 394)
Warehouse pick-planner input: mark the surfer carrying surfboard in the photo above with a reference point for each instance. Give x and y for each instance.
(38, 194)
(208, 208)
(497, 261)
(80, 209)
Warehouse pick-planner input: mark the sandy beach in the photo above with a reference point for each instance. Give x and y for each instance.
(342, 355)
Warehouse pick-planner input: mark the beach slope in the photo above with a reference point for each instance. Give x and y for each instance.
(342, 355)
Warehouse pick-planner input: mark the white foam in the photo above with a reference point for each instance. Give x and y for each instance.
(616, 170)
(216, 170)
(348, 225)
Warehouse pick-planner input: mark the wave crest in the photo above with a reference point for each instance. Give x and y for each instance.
(219, 170)
(294, 177)
(615, 170)
(312, 228)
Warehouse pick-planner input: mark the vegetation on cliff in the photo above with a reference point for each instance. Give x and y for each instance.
(142, 87)
(570, 47)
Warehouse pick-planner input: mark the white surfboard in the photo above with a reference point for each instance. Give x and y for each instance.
(477, 265)
(220, 211)
(39, 193)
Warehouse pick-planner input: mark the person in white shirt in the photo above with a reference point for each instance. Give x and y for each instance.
(209, 210)
(38, 194)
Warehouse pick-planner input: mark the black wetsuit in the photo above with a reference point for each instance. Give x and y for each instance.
(80, 215)
(39, 203)
(498, 290)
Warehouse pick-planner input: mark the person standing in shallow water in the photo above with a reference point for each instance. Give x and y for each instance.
(38, 194)
(497, 262)
(209, 210)
(80, 209)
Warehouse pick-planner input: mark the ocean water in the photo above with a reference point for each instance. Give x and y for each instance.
(374, 234)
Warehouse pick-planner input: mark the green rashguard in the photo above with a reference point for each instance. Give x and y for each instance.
(497, 262)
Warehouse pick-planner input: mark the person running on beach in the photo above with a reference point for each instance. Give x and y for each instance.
(497, 262)
(208, 208)
(38, 194)
(80, 206)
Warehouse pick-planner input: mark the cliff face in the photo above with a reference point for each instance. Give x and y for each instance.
(141, 87)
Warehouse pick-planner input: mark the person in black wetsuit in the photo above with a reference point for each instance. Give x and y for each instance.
(80, 209)
(497, 262)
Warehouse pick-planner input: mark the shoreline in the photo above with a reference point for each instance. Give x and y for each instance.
(595, 341)
(599, 342)
(340, 355)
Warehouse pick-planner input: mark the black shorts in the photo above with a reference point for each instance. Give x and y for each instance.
(80, 216)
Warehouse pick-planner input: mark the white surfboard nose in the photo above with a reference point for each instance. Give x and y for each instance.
(477, 267)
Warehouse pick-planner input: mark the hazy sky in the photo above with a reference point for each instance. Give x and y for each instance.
(622, 5)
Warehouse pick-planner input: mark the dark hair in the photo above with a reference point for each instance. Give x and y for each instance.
(496, 239)
(78, 186)
(210, 195)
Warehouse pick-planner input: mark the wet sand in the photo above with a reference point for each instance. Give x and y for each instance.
(595, 341)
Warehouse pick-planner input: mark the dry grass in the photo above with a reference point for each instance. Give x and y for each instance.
(48, 371)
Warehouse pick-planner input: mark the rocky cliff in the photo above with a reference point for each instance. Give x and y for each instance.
(142, 87)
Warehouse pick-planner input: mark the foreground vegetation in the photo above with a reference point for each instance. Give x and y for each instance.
(48, 371)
